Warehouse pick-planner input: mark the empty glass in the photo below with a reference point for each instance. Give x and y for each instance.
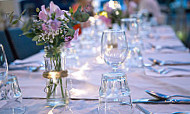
(114, 94)
(12, 97)
(130, 26)
(3, 65)
(114, 47)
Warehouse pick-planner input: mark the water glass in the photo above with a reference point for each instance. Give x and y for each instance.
(12, 97)
(134, 58)
(3, 65)
(114, 94)
(114, 48)
(130, 26)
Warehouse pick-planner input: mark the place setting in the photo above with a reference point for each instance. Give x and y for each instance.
(167, 65)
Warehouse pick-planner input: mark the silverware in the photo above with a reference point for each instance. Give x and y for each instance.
(88, 99)
(169, 62)
(166, 70)
(181, 113)
(177, 48)
(157, 101)
(143, 109)
(30, 68)
(163, 96)
(23, 63)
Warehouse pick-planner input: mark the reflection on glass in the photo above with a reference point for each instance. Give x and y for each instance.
(3, 65)
(114, 48)
(114, 94)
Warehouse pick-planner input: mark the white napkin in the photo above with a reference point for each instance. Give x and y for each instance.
(183, 57)
(164, 42)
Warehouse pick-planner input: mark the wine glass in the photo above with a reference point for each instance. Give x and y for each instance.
(130, 26)
(114, 48)
(3, 65)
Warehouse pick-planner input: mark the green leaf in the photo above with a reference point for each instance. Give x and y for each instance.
(15, 21)
(70, 10)
(70, 32)
(23, 12)
(81, 16)
(29, 34)
(27, 26)
(35, 38)
(40, 43)
(11, 17)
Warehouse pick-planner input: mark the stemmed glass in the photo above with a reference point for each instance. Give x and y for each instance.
(3, 65)
(114, 48)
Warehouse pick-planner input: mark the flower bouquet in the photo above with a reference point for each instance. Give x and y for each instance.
(111, 14)
(53, 28)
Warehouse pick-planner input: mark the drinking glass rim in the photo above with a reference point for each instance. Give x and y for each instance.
(128, 19)
(113, 30)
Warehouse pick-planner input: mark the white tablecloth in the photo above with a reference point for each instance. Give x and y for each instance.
(85, 81)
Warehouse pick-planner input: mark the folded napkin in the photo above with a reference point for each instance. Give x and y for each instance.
(183, 57)
(161, 46)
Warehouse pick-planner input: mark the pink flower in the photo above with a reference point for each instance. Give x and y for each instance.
(44, 27)
(43, 14)
(107, 8)
(76, 34)
(106, 20)
(56, 9)
(68, 39)
(55, 24)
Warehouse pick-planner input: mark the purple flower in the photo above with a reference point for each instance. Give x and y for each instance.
(44, 27)
(106, 20)
(68, 39)
(55, 24)
(76, 34)
(43, 14)
(107, 8)
(56, 9)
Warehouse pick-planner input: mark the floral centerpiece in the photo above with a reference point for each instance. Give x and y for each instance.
(111, 14)
(53, 29)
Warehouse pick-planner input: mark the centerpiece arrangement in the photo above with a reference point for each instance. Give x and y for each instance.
(111, 13)
(53, 28)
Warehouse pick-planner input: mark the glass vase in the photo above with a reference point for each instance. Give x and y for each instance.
(56, 75)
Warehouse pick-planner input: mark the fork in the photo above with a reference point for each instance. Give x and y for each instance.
(158, 47)
(166, 70)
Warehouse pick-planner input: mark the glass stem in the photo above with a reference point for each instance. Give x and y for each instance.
(114, 69)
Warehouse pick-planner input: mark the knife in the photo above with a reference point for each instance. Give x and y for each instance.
(18, 68)
(159, 62)
(145, 111)
(155, 101)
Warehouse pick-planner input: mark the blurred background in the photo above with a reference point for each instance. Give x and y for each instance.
(176, 12)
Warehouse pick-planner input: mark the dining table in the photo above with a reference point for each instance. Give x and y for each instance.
(85, 67)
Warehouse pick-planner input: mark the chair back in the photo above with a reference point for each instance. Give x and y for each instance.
(23, 45)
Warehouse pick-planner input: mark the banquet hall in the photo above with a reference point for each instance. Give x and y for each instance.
(94, 56)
